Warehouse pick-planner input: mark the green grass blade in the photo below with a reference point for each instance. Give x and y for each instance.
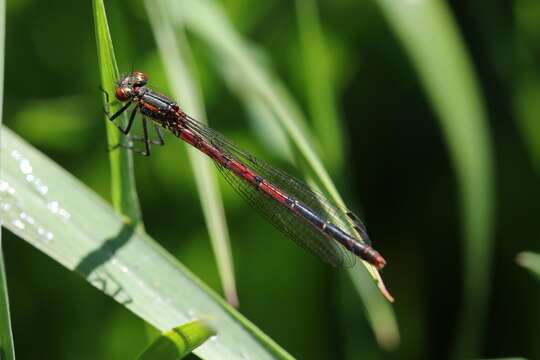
(208, 21)
(180, 68)
(319, 84)
(530, 261)
(178, 342)
(6, 336)
(526, 90)
(262, 119)
(320, 90)
(123, 190)
(378, 313)
(46, 206)
(431, 38)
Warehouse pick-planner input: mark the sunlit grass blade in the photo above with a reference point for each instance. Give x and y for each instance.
(319, 84)
(208, 21)
(178, 342)
(432, 40)
(7, 350)
(530, 261)
(123, 190)
(265, 126)
(46, 206)
(180, 69)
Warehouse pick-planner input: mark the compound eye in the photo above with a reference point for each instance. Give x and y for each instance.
(122, 93)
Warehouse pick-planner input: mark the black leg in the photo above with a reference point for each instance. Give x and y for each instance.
(126, 130)
(146, 142)
(131, 118)
(130, 147)
(107, 102)
(119, 112)
(107, 107)
(160, 141)
(144, 139)
(133, 113)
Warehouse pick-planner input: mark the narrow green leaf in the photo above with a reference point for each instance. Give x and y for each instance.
(379, 313)
(263, 120)
(431, 38)
(180, 68)
(526, 89)
(319, 84)
(208, 21)
(123, 190)
(46, 206)
(178, 342)
(530, 261)
(7, 350)
(320, 90)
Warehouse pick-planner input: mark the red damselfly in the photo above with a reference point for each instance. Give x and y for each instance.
(328, 230)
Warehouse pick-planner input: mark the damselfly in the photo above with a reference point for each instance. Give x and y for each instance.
(328, 230)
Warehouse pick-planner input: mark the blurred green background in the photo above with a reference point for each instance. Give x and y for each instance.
(397, 169)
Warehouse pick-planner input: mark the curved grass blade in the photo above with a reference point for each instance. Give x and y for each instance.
(319, 85)
(320, 90)
(530, 261)
(178, 342)
(208, 21)
(180, 68)
(53, 211)
(262, 119)
(430, 36)
(7, 349)
(123, 190)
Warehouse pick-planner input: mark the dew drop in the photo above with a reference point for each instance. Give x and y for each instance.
(25, 166)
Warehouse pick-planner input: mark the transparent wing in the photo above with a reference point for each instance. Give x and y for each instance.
(301, 232)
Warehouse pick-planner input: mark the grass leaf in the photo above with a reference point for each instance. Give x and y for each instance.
(180, 68)
(319, 85)
(123, 190)
(53, 211)
(178, 342)
(526, 89)
(6, 336)
(431, 38)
